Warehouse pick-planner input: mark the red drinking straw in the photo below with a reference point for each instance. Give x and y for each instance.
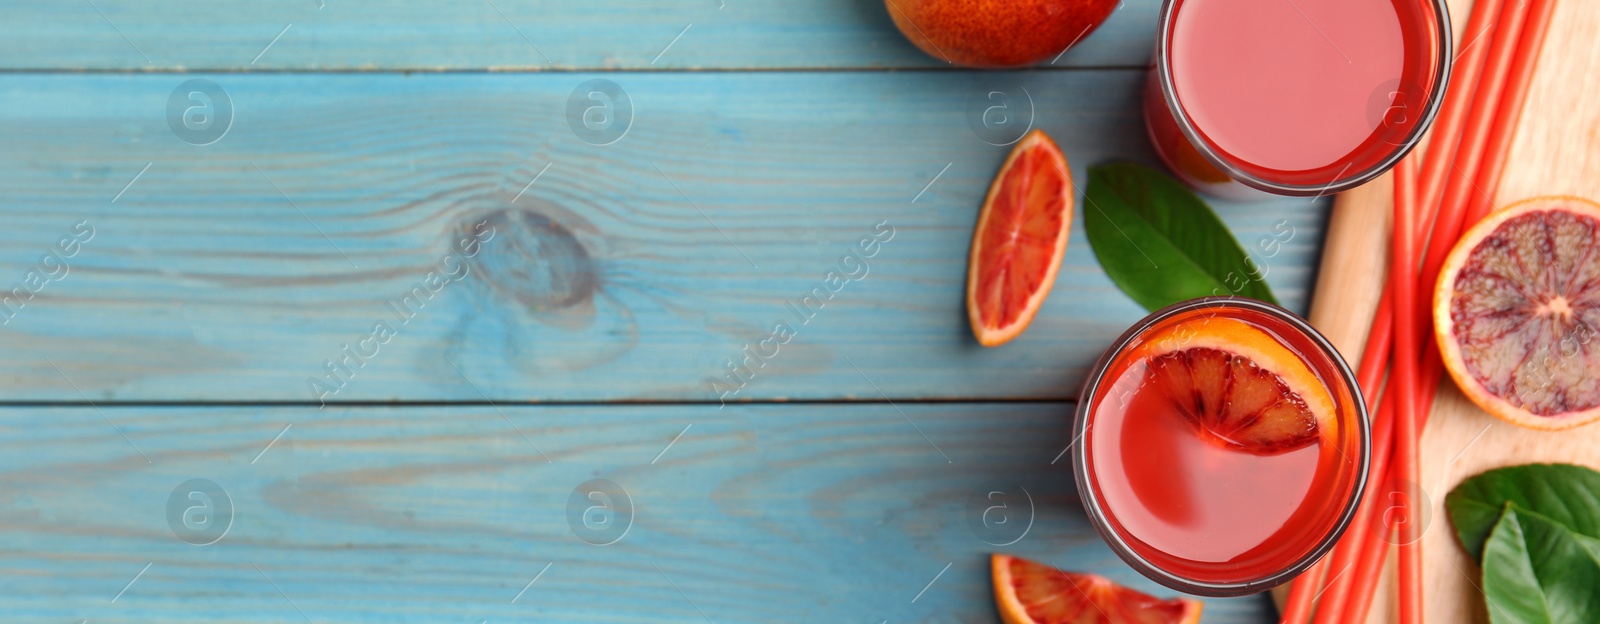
(1446, 133)
(1344, 559)
(1406, 348)
(1510, 111)
(1358, 538)
(1480, 121)
(1298, 607)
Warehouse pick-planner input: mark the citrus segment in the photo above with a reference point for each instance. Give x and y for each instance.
(1239, 386)
(1030, 593)
(1234, 402)
(1516, 311)
(1019, 241)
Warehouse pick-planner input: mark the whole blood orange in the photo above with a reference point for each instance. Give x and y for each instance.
(1516, 311)
(997, 33)
(1019, 241)
(1030, 593)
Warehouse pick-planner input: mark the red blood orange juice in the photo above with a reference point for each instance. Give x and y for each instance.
(1293, 98)
(1223, 446)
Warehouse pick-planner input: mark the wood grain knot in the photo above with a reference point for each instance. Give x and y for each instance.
(534, 260)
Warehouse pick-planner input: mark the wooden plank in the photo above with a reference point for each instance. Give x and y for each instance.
(517, 35)
(234, 271)
(639, 269)
(799, 513)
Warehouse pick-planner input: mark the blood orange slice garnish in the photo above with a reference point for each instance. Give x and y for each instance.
(1516, 311)
(1020, 239)
(1239, 386)
(1030, 593)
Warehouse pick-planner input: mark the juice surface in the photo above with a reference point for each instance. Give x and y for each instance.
(1196, 507)
(1190, 498)
(1289, 86)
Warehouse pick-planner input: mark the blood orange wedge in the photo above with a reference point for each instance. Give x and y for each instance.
(1516, 312)
(1239, 386)
(1019, 241)
(1030, 593)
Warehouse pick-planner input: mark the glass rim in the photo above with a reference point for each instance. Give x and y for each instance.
(1441, 79)
(1093, 506)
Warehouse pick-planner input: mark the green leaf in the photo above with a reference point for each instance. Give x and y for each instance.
(1536, 571)
(1160, 243)
(1562, 493)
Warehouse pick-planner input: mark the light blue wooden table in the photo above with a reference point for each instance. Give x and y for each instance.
(203, 316)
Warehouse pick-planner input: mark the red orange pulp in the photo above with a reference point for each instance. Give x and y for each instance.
(1019, 241)
(1030, 593)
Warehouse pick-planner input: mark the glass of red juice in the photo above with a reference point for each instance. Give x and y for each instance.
(1223, 446)
(1253, 98)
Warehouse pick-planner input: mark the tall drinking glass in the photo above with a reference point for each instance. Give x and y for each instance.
(1251, 98)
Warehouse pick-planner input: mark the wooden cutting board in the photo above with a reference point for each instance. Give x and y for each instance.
(1556, 152)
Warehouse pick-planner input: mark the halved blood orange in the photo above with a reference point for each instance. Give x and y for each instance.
(1239, 386)
(1030, 593)
(1020, 239)
(1516, 312)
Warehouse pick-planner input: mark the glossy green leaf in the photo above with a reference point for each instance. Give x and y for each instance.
(1536, 571)
(1160, 243)
(1566, 494)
